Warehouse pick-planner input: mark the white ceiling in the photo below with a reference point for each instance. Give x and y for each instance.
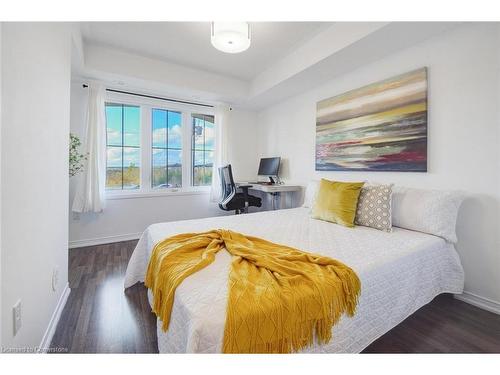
(188, 43)
(176, 59)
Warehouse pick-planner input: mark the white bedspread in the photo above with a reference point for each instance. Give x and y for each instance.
(399, 271)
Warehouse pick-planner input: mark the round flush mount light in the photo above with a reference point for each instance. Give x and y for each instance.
(230, 37)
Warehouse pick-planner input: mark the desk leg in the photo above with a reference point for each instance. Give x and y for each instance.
(275, 201)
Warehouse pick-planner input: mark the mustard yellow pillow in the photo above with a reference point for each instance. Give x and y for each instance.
(336, 202)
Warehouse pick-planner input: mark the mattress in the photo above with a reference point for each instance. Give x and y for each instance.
(399, 271)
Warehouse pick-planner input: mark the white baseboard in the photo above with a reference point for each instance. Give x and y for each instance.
(104, 240)
(481, 302)
(51, 328)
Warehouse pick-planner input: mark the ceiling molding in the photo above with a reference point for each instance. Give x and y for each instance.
(333, 51)
(352, 53)
(113, 65)
(325, 44)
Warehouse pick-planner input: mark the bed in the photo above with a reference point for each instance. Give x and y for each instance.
(399, 271)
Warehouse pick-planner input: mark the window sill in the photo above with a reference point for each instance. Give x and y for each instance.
(205, 190)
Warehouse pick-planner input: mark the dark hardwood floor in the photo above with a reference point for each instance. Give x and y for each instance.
(100, 317)
(446, 325)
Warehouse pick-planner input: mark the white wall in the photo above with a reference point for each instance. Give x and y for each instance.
(34, 165)
(243, 144)
(1, 25)
(127, 218)
(463, 137)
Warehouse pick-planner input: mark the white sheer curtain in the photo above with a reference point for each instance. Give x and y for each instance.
(90, 191)
(220, 154)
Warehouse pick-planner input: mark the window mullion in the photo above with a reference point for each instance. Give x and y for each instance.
(146, 149)
(166, 149)
(203, 153)
(123, 140)
(187, 156)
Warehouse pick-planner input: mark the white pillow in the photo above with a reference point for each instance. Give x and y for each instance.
(310, 194)
(429, 211)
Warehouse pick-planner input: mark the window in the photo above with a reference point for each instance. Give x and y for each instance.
(166, 149)
(155, 146)
(202, 149)
(123, 147)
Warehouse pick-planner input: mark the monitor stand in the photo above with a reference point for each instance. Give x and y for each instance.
(272, 180)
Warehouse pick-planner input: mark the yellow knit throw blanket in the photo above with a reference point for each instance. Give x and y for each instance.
(280, 298)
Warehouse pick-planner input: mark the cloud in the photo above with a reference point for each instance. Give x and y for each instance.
(209, 133)
(130, 155)
(159, 136)
(159, 157)
(114, 137)
(127, 152)
(209, 137)
(114, 157)
(131, 138)
(174, 136)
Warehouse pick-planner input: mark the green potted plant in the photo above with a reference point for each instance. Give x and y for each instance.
(76, 159)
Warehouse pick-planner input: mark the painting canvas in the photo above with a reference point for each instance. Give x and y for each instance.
(379, 127)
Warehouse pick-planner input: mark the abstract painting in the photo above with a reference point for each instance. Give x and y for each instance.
(379, 127)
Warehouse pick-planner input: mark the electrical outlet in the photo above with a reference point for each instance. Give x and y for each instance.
(16, 312)
(55, 278)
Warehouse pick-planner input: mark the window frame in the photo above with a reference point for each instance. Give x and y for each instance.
(146, 106)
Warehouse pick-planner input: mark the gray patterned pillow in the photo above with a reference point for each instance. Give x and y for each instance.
(374, 207)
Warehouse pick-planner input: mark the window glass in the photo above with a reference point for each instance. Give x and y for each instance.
(124, 142)
(159, 119)
(166, 149)
(131, 126)
(202, 149)
(123, 156)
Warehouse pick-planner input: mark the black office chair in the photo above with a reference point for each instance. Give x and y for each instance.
(230, 198)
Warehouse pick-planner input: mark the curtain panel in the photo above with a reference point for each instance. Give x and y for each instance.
(90, 193)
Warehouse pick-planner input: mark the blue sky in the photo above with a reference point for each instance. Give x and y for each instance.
(131, 125)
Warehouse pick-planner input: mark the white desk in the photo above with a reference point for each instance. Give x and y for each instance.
(274, 190)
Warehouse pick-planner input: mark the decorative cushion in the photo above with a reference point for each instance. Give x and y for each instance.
(310, 194)
(429, 211)
(374, 207)
(336, 202)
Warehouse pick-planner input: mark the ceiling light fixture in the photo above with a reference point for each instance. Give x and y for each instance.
(230, 37)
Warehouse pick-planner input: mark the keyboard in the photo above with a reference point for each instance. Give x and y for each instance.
(259, 183)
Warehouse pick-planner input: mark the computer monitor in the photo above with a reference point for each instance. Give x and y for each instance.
(269, 166)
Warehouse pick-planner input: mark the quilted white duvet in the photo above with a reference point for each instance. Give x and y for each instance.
(399, 271)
